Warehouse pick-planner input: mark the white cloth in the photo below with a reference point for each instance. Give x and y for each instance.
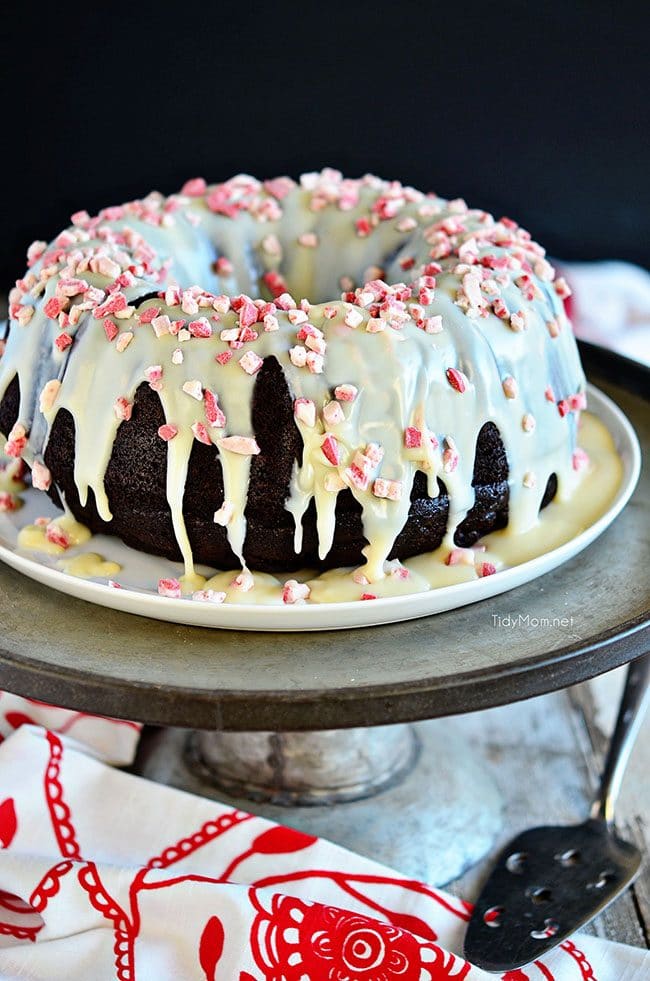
(610, 306)
(106, 875)
(111, 740)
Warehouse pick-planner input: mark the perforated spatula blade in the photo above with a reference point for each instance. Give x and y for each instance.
(550, 881)
(547, 883)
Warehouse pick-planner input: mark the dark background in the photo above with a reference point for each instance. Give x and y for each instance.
(537, 110)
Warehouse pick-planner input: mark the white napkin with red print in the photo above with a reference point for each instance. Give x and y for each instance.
(111, 740)
(104, 875)
(610, 306)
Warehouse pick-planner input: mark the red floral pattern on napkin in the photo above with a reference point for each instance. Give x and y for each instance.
(146, 882)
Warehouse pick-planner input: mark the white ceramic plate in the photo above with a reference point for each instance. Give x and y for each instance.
(139, 570)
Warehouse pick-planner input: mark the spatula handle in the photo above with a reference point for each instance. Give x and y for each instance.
(634, 702)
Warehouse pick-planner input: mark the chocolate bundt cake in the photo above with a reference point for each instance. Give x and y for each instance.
(426, 390)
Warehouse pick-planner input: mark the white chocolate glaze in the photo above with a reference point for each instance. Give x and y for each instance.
(11, 484)
(90, 565)
(11, 475)
(437, 357)
(53, 537)
(596, 487)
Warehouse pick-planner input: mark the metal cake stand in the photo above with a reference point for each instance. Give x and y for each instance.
(314, 728)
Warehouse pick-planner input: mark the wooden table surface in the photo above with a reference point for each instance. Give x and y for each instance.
(546, 756)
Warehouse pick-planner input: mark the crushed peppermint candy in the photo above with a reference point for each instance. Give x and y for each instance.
(148, 315)
(580, 460)
(193, 388)
(223, 515)
(500, 309)
(55, 534)
(399, 571)
(333, 413)
(449, 455)
(154, 374)
(213, 412)
(518, 321)
(161, 325)
(251, 362)
(298, 356)
(122, 408)
(529, 479)
(346, 393)
(63, 341)
(305, 410)
(486, 569)
(334, 483)
(8, 502)
(24, 315)
(297, 317)
(167, 432)
(200, 328)
(244, 581)
(271, 246)
(208, 596)
(194, 188)
(48, 394)
(353, 318)
(243, 445)
(412, 437)
(457, 379)
(41, 476)
(460, 556)
(331, 449)
(111, 330)
(200, 431)
(562, 288)
(390, 489)
(16, 441)
(53, 308)
(431, 325)
(295, 592)
(170, 588)
(577, 402)
(374, 453)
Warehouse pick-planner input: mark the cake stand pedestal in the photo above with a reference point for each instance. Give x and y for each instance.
(266, 703)
(352, 786)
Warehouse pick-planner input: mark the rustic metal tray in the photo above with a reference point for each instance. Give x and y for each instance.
(586, 617)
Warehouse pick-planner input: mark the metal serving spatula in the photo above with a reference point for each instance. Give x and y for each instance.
(550, 881)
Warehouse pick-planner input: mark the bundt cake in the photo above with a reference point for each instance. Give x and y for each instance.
(364, 372)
